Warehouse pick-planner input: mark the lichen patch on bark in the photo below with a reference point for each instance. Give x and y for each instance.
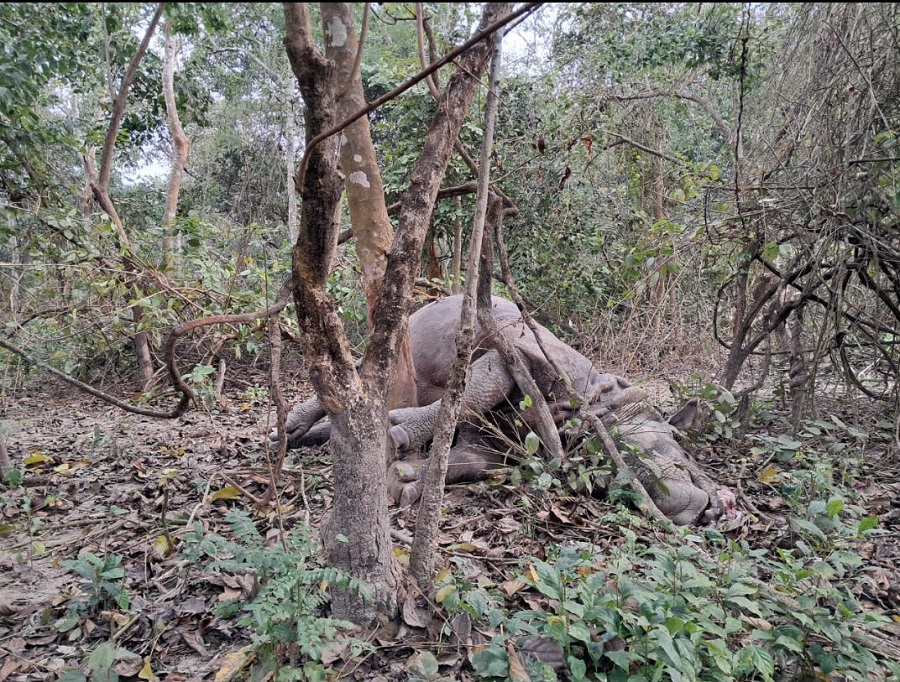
(337, 32)
(359, 178)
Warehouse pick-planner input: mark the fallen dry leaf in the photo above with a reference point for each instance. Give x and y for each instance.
(233, 663)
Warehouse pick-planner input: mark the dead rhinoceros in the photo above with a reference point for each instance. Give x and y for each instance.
(678, 486)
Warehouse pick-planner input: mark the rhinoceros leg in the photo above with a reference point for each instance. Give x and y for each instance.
(299, 420)
(677, 484)
(470, 459)
(721, 500)
(674, 491)
(489, 384)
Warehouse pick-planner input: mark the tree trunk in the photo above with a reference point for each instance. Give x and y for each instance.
(421, 558)
(290, 153)
(457, 252)
(356, 536)
(99, 182)
(5, 463)
(658, 201)
(181, 147)
(365, 191)
(432, 259)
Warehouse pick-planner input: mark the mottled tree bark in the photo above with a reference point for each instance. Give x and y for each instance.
(424, 547)
(357, 536)
(181, 147)
(365, 191)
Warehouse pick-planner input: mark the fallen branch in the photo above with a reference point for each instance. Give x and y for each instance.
(106, 397)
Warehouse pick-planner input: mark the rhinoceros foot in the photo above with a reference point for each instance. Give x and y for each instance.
(404, 484)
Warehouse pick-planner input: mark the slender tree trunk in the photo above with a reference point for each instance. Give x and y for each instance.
(421, 559)
(432, 259)
(290, 154)
(365, 191)
(658, 203)
(15, 272)
(99, 182)
(181, 147)
(736, 355)
(457, 252)
(5, 464)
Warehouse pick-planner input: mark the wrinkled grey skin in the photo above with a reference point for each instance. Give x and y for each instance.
(678, 486)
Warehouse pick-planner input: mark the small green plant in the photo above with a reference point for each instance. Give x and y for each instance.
(722, 422)
(814, 471)
(585, 469)
(821, 460)
(292, 589)
(200, 378)
(102, 664)
(256, 395)
(23, 523)
(102, 588)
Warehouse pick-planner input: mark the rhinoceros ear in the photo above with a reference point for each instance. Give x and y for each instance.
(688, 417)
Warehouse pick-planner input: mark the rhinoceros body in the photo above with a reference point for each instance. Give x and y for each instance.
(677, 484)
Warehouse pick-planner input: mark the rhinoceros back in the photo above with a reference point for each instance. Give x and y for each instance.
(433, 329)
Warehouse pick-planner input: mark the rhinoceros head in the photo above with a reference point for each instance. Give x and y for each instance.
(678, 486)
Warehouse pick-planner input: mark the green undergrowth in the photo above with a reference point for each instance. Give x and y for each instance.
(703, 608)
(697, 605)
(660, 604)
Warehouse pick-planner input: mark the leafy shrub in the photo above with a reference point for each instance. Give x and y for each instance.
(650, 613)
(102, 588)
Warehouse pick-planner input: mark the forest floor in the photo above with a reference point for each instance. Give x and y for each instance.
(123, 488)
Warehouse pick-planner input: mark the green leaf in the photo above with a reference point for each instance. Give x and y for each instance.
(736, 589)
(491, 662)
(745, 603)
(770, 251)
(532, 443)
(577, 668)
(621, 659)
(424, 665)
(809, 527)
(578, 630)
(668, 646)
(758, 659)
(835, 507)
(102, 658)
(674, 625)
(789, 643)
(867, 523)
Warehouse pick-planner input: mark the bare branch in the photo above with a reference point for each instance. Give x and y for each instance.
(146, 412)
(400, 89)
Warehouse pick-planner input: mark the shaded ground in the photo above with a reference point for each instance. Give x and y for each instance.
(119, 485)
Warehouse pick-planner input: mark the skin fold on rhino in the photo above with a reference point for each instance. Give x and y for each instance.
(677, 484)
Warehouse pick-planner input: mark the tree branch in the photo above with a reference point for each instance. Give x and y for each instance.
(450, 56)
